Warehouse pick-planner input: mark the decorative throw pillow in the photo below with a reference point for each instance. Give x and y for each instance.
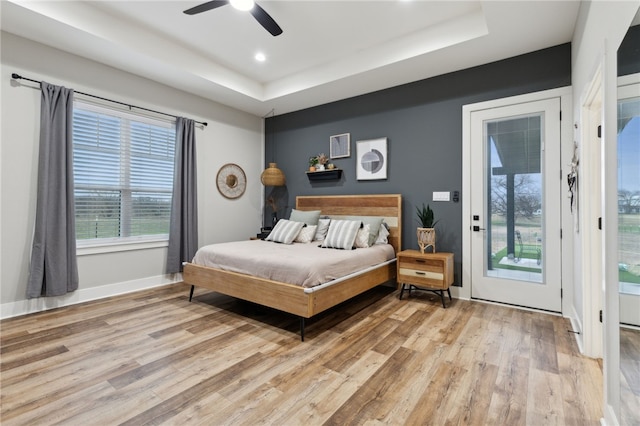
(285, 231)
(362, 237)
(341, 234)
(306, 234)
(374, 225)
(308, 217)
(321, 230)
(383, 235)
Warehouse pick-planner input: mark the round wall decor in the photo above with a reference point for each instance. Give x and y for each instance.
(231, 181)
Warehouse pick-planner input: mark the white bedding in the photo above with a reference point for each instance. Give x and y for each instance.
(302, 264)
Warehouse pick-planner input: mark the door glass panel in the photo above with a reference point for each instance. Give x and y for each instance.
(629, 195)
(514, 195)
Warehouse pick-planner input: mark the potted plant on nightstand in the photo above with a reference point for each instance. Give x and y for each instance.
(426, 233)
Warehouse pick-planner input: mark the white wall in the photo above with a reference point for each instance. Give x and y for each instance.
(600, 28)
(599, 31)
(231, 136)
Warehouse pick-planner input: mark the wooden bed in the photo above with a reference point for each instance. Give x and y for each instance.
(307, 302)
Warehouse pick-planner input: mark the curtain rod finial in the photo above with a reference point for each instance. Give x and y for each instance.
(16, 76)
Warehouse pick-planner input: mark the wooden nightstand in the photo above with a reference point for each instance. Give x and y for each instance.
(425, 271)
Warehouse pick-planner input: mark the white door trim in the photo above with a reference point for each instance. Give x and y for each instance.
(590, 209)
(564, 94)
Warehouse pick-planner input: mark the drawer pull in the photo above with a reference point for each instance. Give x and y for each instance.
(420, 260)
(420, 273)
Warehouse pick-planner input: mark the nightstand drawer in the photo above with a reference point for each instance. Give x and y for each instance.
(422, 278)
(415, 273)
(421, 264)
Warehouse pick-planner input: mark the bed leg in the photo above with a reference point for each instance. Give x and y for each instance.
(191, 292)
(302, 329)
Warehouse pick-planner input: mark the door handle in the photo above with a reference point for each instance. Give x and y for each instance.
(476, 228)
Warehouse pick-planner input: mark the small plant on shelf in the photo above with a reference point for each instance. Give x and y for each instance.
(313, 162)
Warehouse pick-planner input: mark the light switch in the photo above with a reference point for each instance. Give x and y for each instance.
(441, 195)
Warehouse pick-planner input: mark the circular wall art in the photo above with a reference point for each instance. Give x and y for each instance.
(371, 159)
(231, 181)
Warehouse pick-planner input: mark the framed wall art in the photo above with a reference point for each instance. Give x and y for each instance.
(340, 146)
(371, 159)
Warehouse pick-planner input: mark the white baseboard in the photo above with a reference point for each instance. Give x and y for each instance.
(459, 293)
(576, 325)
(29, 306)
(610, 418)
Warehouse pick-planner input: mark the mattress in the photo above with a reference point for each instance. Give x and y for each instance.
(306, 265)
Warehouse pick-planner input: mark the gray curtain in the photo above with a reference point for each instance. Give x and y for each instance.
(54, 268)
(183, 230)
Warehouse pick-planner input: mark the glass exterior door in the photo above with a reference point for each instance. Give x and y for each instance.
(516, 205)
(629, 203)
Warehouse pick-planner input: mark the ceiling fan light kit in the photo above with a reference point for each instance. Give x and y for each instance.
(243, 5)
(256, 11)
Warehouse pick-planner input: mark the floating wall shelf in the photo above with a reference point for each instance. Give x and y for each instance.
(334, 174)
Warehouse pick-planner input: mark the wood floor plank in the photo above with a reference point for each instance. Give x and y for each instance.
(33, 357)
(629, 376)
(153, 357)
(575, 374)
(369, 399)
(543, 345)
(509, 399)
(474, 395)
(544, 399)
(169, 408)
(438, 398)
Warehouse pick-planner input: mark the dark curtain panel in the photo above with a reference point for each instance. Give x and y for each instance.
(183, 230)
(54, 268)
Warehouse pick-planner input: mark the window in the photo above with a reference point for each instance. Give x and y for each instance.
(123, 173)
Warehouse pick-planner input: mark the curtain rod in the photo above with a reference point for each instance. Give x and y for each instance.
(19, 77)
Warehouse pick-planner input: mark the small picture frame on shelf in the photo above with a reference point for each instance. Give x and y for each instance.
(340, 146)
(371, 159)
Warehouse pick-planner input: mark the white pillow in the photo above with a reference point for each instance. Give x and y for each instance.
(285, 231)
(362, 237)
(383, 234)
(341, 234)
(321, 231)
(306, 234)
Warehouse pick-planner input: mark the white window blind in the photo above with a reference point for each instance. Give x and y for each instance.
(123, 173)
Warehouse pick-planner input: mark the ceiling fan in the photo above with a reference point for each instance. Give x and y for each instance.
(247, 5)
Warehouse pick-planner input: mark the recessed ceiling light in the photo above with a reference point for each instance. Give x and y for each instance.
(242, 4)
(260, 57)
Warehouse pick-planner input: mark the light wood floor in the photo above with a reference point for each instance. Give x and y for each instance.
(154, 358)
(629, 376)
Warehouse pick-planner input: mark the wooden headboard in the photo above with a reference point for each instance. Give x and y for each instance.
(388, 206)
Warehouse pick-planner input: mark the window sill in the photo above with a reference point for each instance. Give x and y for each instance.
(84, 250)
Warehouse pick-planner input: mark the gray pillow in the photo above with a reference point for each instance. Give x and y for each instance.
(383, 234)
(308, 217)
(342, 234)
(374, 225)
(285, 231)
(322, 229)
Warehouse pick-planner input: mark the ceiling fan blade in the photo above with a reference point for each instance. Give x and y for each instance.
(206, 6)
(265, 20)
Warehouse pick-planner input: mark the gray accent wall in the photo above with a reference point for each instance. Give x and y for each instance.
(629, 52)
(422, 122)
